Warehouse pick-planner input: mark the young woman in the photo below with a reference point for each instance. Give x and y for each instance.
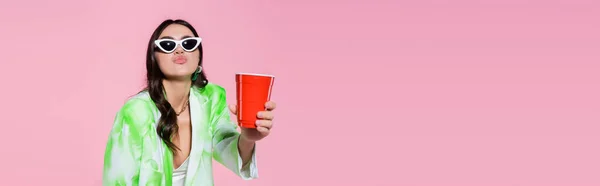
(169, 132)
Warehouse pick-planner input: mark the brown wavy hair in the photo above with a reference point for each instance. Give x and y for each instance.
(167, 124)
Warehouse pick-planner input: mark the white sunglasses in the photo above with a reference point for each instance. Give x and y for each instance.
(169, 45)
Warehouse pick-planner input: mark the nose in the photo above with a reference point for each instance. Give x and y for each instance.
(179, 49)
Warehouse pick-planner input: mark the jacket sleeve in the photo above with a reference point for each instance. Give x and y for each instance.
(225, 140)
(122, 157)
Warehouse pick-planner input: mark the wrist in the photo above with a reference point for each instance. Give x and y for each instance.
(243, 141)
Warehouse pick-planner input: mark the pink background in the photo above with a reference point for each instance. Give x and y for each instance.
(464, 92)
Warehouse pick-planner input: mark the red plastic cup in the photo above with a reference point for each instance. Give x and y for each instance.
(253, 91)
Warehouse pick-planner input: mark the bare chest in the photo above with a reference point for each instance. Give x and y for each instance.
(183, 139)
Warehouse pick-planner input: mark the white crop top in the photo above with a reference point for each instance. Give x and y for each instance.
(179, 173)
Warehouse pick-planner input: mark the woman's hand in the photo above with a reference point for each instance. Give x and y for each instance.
(263, 124)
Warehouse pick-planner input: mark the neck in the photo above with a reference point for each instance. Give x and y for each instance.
(177, 92)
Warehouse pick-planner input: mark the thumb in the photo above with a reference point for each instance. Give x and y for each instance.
(233, 109)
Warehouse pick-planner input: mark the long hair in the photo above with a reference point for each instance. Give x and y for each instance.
(167, 124)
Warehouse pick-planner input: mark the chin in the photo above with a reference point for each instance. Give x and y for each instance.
(178, 75)
(183, 70)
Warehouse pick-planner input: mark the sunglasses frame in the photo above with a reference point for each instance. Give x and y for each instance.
(178, 43)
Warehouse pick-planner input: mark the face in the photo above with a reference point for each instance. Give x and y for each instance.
(180, 63)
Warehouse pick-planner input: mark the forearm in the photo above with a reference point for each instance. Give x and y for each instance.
(245, 147)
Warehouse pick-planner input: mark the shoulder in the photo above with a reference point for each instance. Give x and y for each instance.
(214, 94)
(211, 90)
(138, 110)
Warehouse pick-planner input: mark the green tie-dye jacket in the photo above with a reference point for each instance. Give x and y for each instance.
(136, 155)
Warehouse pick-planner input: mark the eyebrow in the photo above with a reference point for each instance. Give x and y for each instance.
(169, 37)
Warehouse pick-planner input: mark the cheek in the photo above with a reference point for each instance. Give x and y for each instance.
(194, 58)
(162, 56)
(162, 59)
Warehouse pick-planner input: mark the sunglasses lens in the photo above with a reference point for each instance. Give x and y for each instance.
(189, 44)
(167, 45)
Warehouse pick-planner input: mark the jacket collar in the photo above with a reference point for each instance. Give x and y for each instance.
(199, 116)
